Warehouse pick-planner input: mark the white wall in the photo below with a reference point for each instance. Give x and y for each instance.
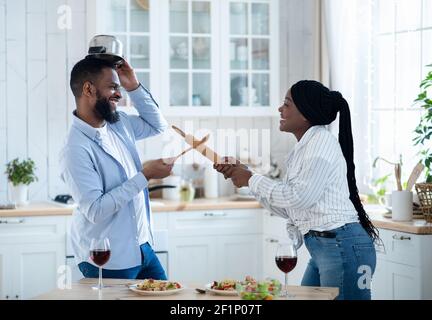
(36, 104)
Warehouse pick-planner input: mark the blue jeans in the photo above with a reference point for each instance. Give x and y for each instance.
(150, 268)
(347, 261)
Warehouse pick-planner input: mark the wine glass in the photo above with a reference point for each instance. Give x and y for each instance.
(286, 260)
(100, 253)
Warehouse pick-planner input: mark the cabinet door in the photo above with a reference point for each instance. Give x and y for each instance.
(273, 225)
(379, 285)
(270, 244)
(238, 256)
(130, 22)
(270, 270)
(249, 66)
(404, 282)
(295, 277)
(35, 268)
(5, 272)
(193, 259)
(189, 57)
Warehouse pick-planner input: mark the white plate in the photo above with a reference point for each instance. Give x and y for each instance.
(155, 293)
(221, 292)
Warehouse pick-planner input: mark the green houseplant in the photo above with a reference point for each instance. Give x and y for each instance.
(423, 132)
(20, 174)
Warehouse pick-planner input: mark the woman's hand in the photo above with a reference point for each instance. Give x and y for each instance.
(234, 169)
(127, 76)
(240, 176)
(227, 166)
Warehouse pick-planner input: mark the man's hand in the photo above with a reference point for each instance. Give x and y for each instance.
(127, 76)
(158, 169)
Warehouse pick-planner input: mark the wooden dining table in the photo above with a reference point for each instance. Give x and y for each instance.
(118, 289)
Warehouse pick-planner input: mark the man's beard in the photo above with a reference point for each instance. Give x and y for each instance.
(103, 110)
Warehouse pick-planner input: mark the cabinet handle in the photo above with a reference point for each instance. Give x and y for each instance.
(12, 221)
(271, 214)
(396, 237)
(7, 297)
(272, 240)
(211, 214)
(17, 296)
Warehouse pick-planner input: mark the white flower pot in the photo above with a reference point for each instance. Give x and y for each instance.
(19, 194)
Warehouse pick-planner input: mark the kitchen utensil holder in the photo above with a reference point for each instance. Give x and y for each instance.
(424, 192)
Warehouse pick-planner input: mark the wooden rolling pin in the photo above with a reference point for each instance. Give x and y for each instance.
(201, 148)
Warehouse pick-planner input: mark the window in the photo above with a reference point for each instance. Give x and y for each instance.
(403, 48)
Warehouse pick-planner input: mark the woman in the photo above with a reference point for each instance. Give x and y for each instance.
(319, 195)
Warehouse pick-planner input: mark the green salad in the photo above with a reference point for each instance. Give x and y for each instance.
(250, 289)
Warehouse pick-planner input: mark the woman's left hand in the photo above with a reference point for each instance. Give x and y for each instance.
(127, 76)
(240, 176)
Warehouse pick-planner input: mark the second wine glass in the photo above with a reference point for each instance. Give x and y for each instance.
(286, 260)
(100, 253)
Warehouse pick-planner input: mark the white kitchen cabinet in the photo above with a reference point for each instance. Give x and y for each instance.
(403, 267)
(274, 231)
(36, 268)
(193, 259)
(210, 245)
(31, 251)
(198, 57)
(5, 272)
(214, 222)
(238, 256)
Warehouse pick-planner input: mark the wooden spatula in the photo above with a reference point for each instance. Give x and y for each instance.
(398, 174)
(194, 146)
(418, 169)
(202, 148)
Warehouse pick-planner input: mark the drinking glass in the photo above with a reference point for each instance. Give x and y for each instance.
(286, 260)
(100, 253)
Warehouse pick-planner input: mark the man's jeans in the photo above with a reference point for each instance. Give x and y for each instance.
(346, 261)
(150, 268)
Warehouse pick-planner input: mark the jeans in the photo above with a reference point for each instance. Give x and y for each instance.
(347, 261)
(150, 268)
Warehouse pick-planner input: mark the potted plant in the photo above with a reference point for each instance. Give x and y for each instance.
(20, 174)
(423, 132)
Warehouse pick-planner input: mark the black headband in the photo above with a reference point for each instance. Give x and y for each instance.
(316, 103)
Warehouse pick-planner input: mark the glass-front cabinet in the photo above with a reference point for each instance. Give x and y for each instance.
(198, 57)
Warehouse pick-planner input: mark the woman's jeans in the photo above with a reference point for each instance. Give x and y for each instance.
(346, 261)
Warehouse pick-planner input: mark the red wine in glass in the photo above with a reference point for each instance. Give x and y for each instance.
(286, 260)
(100, 253)
(100, 256)
(286, 263)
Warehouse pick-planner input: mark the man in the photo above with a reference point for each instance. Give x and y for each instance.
(101, 167)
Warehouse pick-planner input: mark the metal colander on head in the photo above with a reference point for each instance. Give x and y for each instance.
(106, 47)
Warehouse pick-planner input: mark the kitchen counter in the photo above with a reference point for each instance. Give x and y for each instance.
(119, 291)
(416, 226)
(157, 205)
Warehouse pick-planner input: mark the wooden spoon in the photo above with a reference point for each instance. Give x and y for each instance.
(202, 148)
(398, 174)
(194, 146)
(418, 169)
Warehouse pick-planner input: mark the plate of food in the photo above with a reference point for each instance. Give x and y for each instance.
(151, 287)
(225, 287)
